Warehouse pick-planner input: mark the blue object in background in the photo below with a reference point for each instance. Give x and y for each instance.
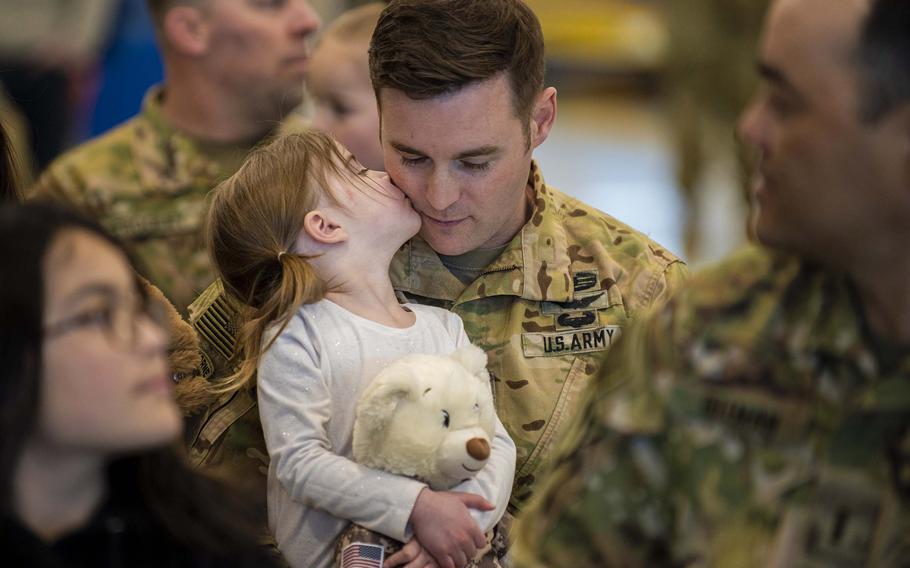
(129, 66)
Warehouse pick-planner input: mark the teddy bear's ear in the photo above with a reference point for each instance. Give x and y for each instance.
(377, 406)
(474, 359)
(381, 400)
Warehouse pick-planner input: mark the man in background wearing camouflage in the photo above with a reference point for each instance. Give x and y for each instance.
(234, 70)
(543, 282)
(762, 417)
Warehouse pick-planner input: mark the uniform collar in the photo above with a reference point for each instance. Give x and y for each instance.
(534, 265)
(777, 318)
(166, 160)
(831, 325)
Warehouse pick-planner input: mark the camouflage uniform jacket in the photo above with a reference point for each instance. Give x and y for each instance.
(148, 185)
(750, 422)
(224, 434)
(546, 311)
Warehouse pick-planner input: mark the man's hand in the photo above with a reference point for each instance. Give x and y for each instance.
(411, 555)
(445, 528)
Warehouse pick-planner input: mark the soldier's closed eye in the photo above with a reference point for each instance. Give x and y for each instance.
(476, 166)
(412, 161)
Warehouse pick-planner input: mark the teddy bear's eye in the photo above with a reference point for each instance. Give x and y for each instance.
(476, 407)
(445, 418)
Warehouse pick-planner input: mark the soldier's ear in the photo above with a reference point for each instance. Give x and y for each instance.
(321, 226)
(186, 30)
(543, 115)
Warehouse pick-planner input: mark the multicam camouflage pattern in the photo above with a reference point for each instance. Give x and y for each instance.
(147, 184)
(546, 311)
(751, 422)
(223, 434)
(493, 555)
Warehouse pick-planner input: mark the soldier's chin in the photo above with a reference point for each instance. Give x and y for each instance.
(772, 234)
(447, 245)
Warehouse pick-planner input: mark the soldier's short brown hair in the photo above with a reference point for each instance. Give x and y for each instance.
(428, 48)
(884, 56)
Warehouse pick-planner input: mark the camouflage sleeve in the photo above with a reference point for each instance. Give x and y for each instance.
(606, 499)
(672, 279)
(675, 276)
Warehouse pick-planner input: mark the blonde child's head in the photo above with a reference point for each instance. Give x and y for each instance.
(339, 81)
(297, 210)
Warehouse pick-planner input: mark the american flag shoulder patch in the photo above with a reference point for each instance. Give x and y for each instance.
(359, 555)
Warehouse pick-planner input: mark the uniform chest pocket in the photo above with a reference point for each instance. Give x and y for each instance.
(537, 418)
(825, 474)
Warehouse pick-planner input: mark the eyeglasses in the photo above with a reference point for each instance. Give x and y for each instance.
(119, 322)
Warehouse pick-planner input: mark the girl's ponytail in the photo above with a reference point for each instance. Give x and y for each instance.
(297, 284)
(254, 221)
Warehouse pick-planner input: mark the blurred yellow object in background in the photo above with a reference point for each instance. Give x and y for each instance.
(613, 36)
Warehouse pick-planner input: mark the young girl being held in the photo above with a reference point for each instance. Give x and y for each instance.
(304, 236)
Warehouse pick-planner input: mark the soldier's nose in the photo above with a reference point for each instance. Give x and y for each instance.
(478, 448)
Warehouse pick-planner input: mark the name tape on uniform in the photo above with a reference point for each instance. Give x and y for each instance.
(569, 342)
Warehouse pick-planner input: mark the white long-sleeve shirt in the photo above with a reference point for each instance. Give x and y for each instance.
(309, 383)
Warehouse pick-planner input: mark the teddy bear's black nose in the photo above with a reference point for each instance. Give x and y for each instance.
(478, 448)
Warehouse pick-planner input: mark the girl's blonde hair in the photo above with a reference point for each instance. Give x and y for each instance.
(255, 218)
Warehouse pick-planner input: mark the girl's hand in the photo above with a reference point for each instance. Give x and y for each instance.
(443, 524)
(411, 555)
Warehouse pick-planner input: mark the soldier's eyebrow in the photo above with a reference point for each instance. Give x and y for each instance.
(774, 75)
(482, 151)
(405, 149)
(473, 153)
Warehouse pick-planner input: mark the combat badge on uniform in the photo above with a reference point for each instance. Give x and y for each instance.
(576, 322)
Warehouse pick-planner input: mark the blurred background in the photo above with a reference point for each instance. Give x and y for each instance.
(649, 91)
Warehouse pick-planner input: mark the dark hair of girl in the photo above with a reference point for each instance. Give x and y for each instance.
(9, 177)
(198, 511)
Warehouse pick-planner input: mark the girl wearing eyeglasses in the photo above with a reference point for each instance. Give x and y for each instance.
(89, 474)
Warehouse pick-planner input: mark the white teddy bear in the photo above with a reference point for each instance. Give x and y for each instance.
(430, 417)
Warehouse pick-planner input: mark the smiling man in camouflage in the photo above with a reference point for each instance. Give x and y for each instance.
(762, 417)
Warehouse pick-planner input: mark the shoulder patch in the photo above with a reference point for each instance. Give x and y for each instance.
(215, 325)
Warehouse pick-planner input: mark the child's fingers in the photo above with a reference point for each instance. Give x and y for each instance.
(408, 553)
(473, 501)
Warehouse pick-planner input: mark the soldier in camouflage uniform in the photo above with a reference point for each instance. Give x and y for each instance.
(546, 310)
(545, 299)
(147, 181)
(543, 282)
(762, 417)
